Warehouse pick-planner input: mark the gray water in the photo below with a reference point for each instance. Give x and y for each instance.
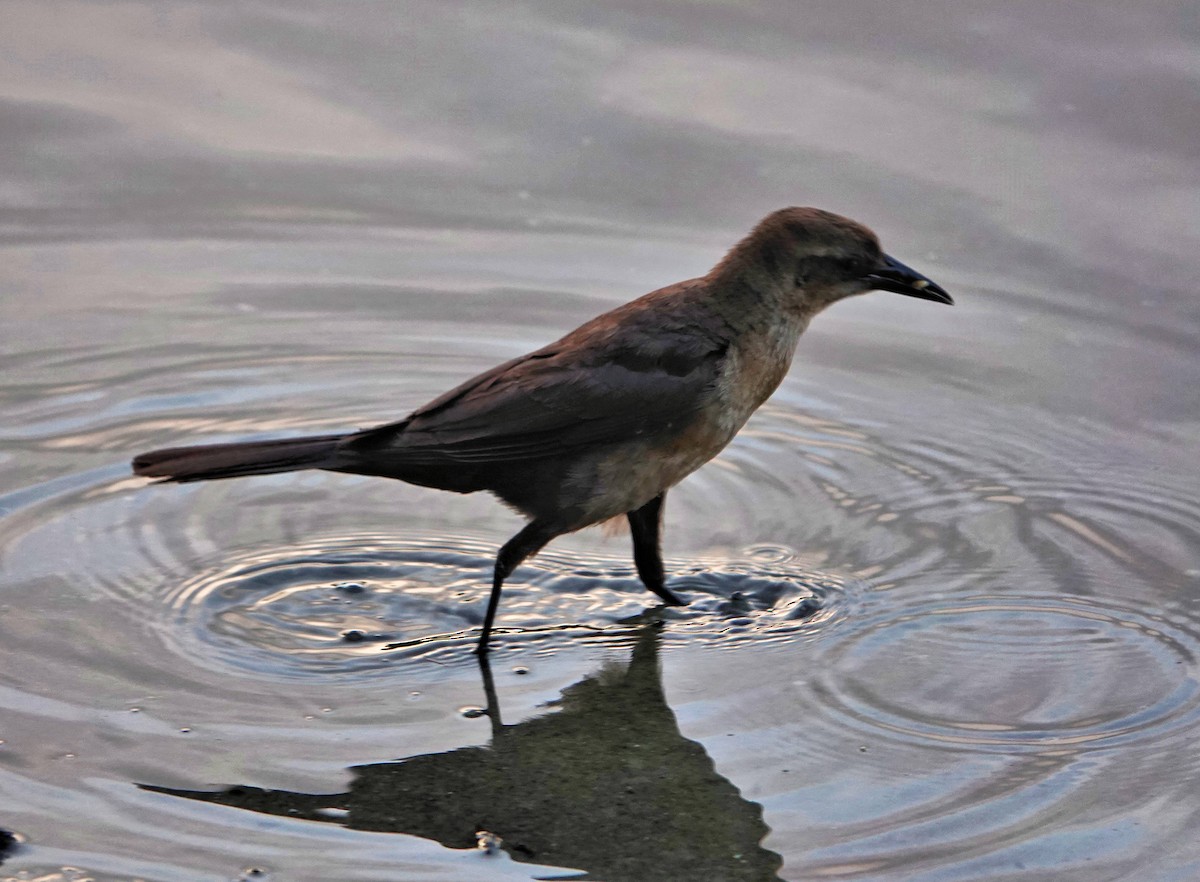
(944, 619)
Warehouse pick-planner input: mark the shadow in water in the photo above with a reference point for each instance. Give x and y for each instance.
(607, 785)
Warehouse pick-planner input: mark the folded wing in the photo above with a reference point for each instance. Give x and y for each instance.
(555, 402)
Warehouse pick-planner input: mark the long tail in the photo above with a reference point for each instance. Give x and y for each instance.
(209, 461)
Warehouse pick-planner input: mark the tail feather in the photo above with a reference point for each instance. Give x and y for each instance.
(210, 461)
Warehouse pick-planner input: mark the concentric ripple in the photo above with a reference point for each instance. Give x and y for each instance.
(1015, 672)
(333, 605)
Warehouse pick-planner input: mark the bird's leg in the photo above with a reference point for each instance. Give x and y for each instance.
(645, 523)
(529, 541)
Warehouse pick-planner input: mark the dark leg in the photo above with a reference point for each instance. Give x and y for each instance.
(489, 694)
(529, 541)
(645, 523)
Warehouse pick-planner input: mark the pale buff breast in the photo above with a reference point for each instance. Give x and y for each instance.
(754, 369)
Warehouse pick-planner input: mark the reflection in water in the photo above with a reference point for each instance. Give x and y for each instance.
(7, 843)
(607, 784)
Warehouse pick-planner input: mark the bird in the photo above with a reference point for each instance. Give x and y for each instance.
(599, 425)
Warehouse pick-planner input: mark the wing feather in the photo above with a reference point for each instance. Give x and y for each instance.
(617, 377)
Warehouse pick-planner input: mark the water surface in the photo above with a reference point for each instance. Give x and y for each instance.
(944, 619)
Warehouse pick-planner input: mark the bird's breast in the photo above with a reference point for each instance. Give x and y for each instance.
(754, 368)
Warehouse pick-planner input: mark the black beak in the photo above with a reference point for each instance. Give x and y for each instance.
(892, 275)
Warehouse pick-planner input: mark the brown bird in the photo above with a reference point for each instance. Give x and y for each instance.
(603, 422)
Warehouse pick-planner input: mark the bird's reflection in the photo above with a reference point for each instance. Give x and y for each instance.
(8, 843)
(607, 784)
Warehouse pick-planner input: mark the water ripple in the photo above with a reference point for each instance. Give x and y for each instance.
(1015, 672)
(331, 605)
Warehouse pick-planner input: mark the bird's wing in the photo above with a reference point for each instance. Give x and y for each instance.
(558, 400)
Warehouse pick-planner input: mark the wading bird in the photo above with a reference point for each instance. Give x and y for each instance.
(602, 423)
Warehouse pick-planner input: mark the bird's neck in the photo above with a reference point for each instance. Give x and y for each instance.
(754, 297)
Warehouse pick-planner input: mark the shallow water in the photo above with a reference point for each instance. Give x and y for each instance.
(944, 590)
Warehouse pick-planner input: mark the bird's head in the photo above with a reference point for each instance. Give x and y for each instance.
(811, 258)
